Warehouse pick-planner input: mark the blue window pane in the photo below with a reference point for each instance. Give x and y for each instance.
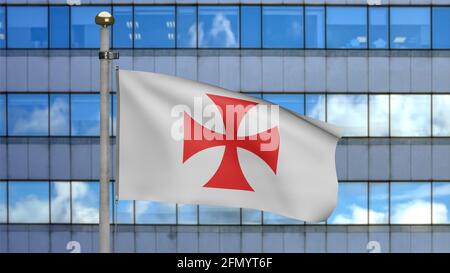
(60, 202)
(251, 216)
(379, 115)
(346, 27)
(114, 114)
(441, 27)
(125, 212)
(28, 202)
(410, 115)
(352, 204)
(251, 26)
(378, 27)
(379, 203)
(154, 27)
(211, 215)
(3, 210)
(348, 112)
(28, 115)
(441, 115)
(410, 203)
(85, 114)
(59, 27)
(148, 212)
(2, 115)
(315, 106)
(282, 27)
(218, 27)
(186, 27)
(84, 32)
(187, 214)
(27, 27)
(315, 27)
(410, 27)
(2, 28)
(59, 115)
(441, 203)
(85, 202)
(123, 27)
(276, 219)
(293, 102)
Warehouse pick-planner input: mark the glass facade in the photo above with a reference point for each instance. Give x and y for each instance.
(216, 26)
(380, 73)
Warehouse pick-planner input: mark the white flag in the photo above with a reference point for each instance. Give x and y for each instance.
(190, 143)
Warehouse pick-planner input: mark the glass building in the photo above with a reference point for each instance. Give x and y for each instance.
(380, 72)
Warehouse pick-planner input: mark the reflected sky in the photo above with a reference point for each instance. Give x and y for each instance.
(378, 203)
(378, 27)
(251, 217)
(315, 27)
(3, 210)
(441, 115)
(28, 202)
(84, 31)
(124, 212)
(348, 112)
(60, 202)
(352, 204)
(410, 27)
(149, 212)
(2, 115)
(219, 215)
(2, 28)
(59, 115)
(441, 202)
(59, 18)
(273, 218)
(379, 115)
(251, 26)
(123, 26)
(187, 214)
(411, 203)
(85, 202)
(410, 115)
(85, 114)
(293, 102)
(218, 26)
(441, 27)
(282, 27)
(27, 27)
(346, 27)
(28, 114)
(186, 27)
(315, 106)
(154, 26)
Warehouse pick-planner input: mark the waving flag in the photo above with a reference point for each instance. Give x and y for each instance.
(191, 143)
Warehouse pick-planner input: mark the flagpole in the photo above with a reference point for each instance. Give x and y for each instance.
(104, 19)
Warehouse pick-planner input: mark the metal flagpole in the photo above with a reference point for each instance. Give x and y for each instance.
(104, 19)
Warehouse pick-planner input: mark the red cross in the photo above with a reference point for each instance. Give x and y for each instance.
(229, 175)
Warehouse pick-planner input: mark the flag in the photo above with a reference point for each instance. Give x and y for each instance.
(186, 142)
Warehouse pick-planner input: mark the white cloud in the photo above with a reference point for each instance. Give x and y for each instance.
(30, 209)
(441, 115)
(348, 112)
(410, 115)
(221, 29)
(358, 215)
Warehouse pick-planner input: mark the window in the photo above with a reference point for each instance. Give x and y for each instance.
(85, 114)
(379, 203)
(3, 210)
(85, 202)
(346, 27)
(113, 112)
(315, 106)
(441, 27)
(352, 204)
(217, 215)
(410, 27)
(28, 202)
(59, 26)
(125, 212)
(27, 115)
(348, 112)
(251, 26)
(186, 27)
(187, 214)
(410, 203)
(154, 26)
(282, 27)
(59, 115)
(378, 27)
(251, 216)
(60, 202)
(293, 102)
(441, 202)
(315, 27)
(273, 218)
(2, 28)
(379, 115)
(441, 115)
(84, 32)
(27, 27)
(123, 27)
(148, 212)
(218, 26)
(2, 115)
(410, 115)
